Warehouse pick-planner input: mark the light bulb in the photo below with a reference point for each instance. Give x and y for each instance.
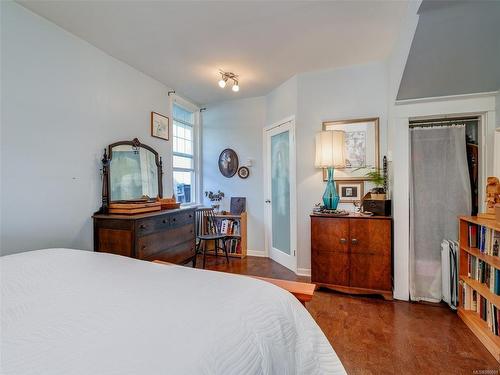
(222, 83)
(236, 88)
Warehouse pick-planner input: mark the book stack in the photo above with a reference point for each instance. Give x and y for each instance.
(484, 273)
(231, 227)
(487, 311)
(233, 246)
(487, 240)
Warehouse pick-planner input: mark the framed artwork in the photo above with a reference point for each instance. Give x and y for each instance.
(361, 148)
(228, 162)
(350, 191)
(159, 126)
(238, 205)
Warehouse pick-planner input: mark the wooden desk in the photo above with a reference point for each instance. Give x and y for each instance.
(304, 292)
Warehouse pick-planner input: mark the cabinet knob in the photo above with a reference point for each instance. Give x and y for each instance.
(164, 221)
(354, 241)
(190, 216)
(343, 240)
(142, 226)
(173, 219)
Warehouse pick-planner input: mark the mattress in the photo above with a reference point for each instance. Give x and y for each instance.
(78, 312)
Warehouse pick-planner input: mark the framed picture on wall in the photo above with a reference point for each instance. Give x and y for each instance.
(159, 126)
(350, 191)
(362, 152)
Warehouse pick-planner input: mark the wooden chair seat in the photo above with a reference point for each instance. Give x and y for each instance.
(208, 237)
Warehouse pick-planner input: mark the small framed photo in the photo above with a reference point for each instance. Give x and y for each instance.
(350, 191)
(159, 126)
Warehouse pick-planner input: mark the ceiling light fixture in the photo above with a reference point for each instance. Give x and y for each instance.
(225, 76)
(222, 82)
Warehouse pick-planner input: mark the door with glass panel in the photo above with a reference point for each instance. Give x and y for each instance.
(280, 204)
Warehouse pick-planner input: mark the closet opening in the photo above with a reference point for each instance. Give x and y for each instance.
(472, 149)
(444, 180)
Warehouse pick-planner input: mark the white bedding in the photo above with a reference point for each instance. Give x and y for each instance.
(78, 312)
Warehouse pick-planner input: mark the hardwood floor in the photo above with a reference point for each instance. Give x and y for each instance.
(373, 336)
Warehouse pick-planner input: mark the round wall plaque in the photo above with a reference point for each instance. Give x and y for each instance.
(243, 172)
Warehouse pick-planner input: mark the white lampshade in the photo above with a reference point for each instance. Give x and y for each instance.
(330, 149)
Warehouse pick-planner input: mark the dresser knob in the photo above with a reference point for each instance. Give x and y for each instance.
(354, 241)
(142, 226)
(190, 216)
(173, 219)
(343, 240)
(164, 221)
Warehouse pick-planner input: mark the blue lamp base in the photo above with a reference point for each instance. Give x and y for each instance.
(330, 197)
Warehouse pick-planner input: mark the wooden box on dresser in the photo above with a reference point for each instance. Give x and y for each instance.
(352, 254)
(163, 235)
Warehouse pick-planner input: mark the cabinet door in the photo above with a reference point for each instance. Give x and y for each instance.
(330, 251)
(370, 262)
(370, 236)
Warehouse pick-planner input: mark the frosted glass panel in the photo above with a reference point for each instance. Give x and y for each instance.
(280, 188)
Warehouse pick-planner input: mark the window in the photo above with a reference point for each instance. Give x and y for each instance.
(183, 154)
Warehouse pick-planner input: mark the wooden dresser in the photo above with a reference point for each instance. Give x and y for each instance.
(352, 254)
(163, 235)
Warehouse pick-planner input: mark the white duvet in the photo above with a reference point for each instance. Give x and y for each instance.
(78, 312)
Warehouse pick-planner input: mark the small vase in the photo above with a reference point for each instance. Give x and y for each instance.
(216, 208)
(330, 197)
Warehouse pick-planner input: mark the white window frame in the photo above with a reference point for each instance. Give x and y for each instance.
(181, 102)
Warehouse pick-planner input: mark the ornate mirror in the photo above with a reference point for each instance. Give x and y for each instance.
(132, 172)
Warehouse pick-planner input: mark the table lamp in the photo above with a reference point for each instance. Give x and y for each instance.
(330, 146)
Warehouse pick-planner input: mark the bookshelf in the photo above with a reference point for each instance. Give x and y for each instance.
(479, 280)
(241, 237)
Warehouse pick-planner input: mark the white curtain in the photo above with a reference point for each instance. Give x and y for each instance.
(440, 192)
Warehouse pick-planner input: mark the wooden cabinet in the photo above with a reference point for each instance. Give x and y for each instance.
(352, 254)
(164, 235)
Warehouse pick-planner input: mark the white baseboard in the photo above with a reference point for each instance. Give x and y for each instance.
(304, 272)
(256, 253)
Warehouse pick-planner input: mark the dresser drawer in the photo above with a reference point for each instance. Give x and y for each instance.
(180, 219)
(151, 225)
(177, 254)
(159, 241)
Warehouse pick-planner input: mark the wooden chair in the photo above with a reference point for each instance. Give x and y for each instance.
(207, 230)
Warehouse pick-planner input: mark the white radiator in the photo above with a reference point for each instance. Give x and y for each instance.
(449, 272)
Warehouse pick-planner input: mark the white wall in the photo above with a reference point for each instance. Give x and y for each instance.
(281, 103)
(346, 93)
(397, 141)
(63, 101)
(238, 125)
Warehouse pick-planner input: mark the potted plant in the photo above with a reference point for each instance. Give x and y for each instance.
(215, 197)
(378, 179)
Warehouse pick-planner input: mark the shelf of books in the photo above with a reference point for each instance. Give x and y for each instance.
(479, 288)
(235, 226)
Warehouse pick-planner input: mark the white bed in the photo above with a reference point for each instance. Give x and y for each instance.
(78, 312)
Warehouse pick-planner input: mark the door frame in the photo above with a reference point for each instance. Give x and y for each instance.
(279, 256)
(480, 104)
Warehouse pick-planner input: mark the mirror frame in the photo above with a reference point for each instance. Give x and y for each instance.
(106, 160)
